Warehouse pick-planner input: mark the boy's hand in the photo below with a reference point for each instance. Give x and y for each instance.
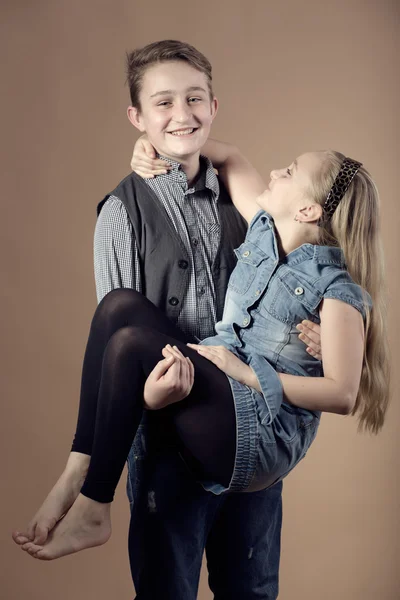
(311, 336)
(144, 161)
(170, 381)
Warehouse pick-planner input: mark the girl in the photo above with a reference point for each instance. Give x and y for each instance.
(246, 403)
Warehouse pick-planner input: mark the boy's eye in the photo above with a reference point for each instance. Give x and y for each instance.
(164, 103)
(193, 99)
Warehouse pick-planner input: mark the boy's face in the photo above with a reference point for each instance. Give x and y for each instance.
(176, 110)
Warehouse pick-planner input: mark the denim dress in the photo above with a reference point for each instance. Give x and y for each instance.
(267, 297)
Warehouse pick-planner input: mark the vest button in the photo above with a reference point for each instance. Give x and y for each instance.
(246, 254)
(173, 301)
(245, 321)
(183, 264)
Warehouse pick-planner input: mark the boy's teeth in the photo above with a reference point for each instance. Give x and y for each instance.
(183, 132)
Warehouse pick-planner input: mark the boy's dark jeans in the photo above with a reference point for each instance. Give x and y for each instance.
(173, 519)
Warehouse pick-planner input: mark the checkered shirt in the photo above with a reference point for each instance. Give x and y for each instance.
(194, 214)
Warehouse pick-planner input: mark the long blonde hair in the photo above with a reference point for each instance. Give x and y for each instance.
(355, 228)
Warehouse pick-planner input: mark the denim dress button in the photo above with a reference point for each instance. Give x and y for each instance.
(245, 321)
(246, 254)
(257, 292)
(299, 291)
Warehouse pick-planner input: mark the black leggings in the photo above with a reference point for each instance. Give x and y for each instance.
(126, 338)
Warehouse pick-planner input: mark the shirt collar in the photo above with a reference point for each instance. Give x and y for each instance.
(207, 177)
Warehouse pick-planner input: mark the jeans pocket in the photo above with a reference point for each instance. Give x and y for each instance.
(135, 461)
(309, 432)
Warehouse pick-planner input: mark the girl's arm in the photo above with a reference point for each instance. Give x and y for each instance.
(342, 343)
(242, 180)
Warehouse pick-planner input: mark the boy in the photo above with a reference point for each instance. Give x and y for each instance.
(173, 519)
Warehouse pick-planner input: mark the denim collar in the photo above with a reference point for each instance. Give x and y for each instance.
(319, 254)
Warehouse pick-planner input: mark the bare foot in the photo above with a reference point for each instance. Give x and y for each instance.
(87, 524)
(57, 503)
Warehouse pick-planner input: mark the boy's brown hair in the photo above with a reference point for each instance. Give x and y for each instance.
(138, 61)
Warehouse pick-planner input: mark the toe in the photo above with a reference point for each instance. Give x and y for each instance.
(41, 535)
(32, 548)
(30, 532)
(43, 554)
(28, 546)
(19, 538)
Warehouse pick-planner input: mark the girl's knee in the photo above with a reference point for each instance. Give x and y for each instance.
(127, 338)
(120, 295)
(118, 301)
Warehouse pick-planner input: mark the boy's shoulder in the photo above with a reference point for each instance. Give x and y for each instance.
(129, 189)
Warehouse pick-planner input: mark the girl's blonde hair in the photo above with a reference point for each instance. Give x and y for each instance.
(355, 228)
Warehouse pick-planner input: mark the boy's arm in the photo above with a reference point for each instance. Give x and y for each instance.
(116, 258)
(117, 265)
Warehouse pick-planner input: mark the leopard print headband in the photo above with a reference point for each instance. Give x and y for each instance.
(340, 186)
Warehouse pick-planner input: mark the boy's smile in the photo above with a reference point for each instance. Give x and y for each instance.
(176, 110)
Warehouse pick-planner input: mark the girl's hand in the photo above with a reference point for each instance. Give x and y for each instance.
(144, 161)
(170, 381)
(228, 362)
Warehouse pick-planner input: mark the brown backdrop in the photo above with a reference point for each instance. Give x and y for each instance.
(290, 76)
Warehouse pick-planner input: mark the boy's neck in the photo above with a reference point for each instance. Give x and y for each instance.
(190, 165)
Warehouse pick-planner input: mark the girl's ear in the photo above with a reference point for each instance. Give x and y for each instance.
(309, 214)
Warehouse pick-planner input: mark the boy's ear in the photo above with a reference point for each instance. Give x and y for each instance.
(214, 107)
(135, 118)
(309, 214)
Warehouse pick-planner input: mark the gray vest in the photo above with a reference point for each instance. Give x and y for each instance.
(163, 257)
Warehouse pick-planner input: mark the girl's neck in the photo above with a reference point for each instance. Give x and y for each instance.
(289, 238)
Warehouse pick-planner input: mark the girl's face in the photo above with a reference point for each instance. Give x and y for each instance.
(290, 188)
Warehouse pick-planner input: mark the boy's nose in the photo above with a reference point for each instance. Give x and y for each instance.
(182, 114)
